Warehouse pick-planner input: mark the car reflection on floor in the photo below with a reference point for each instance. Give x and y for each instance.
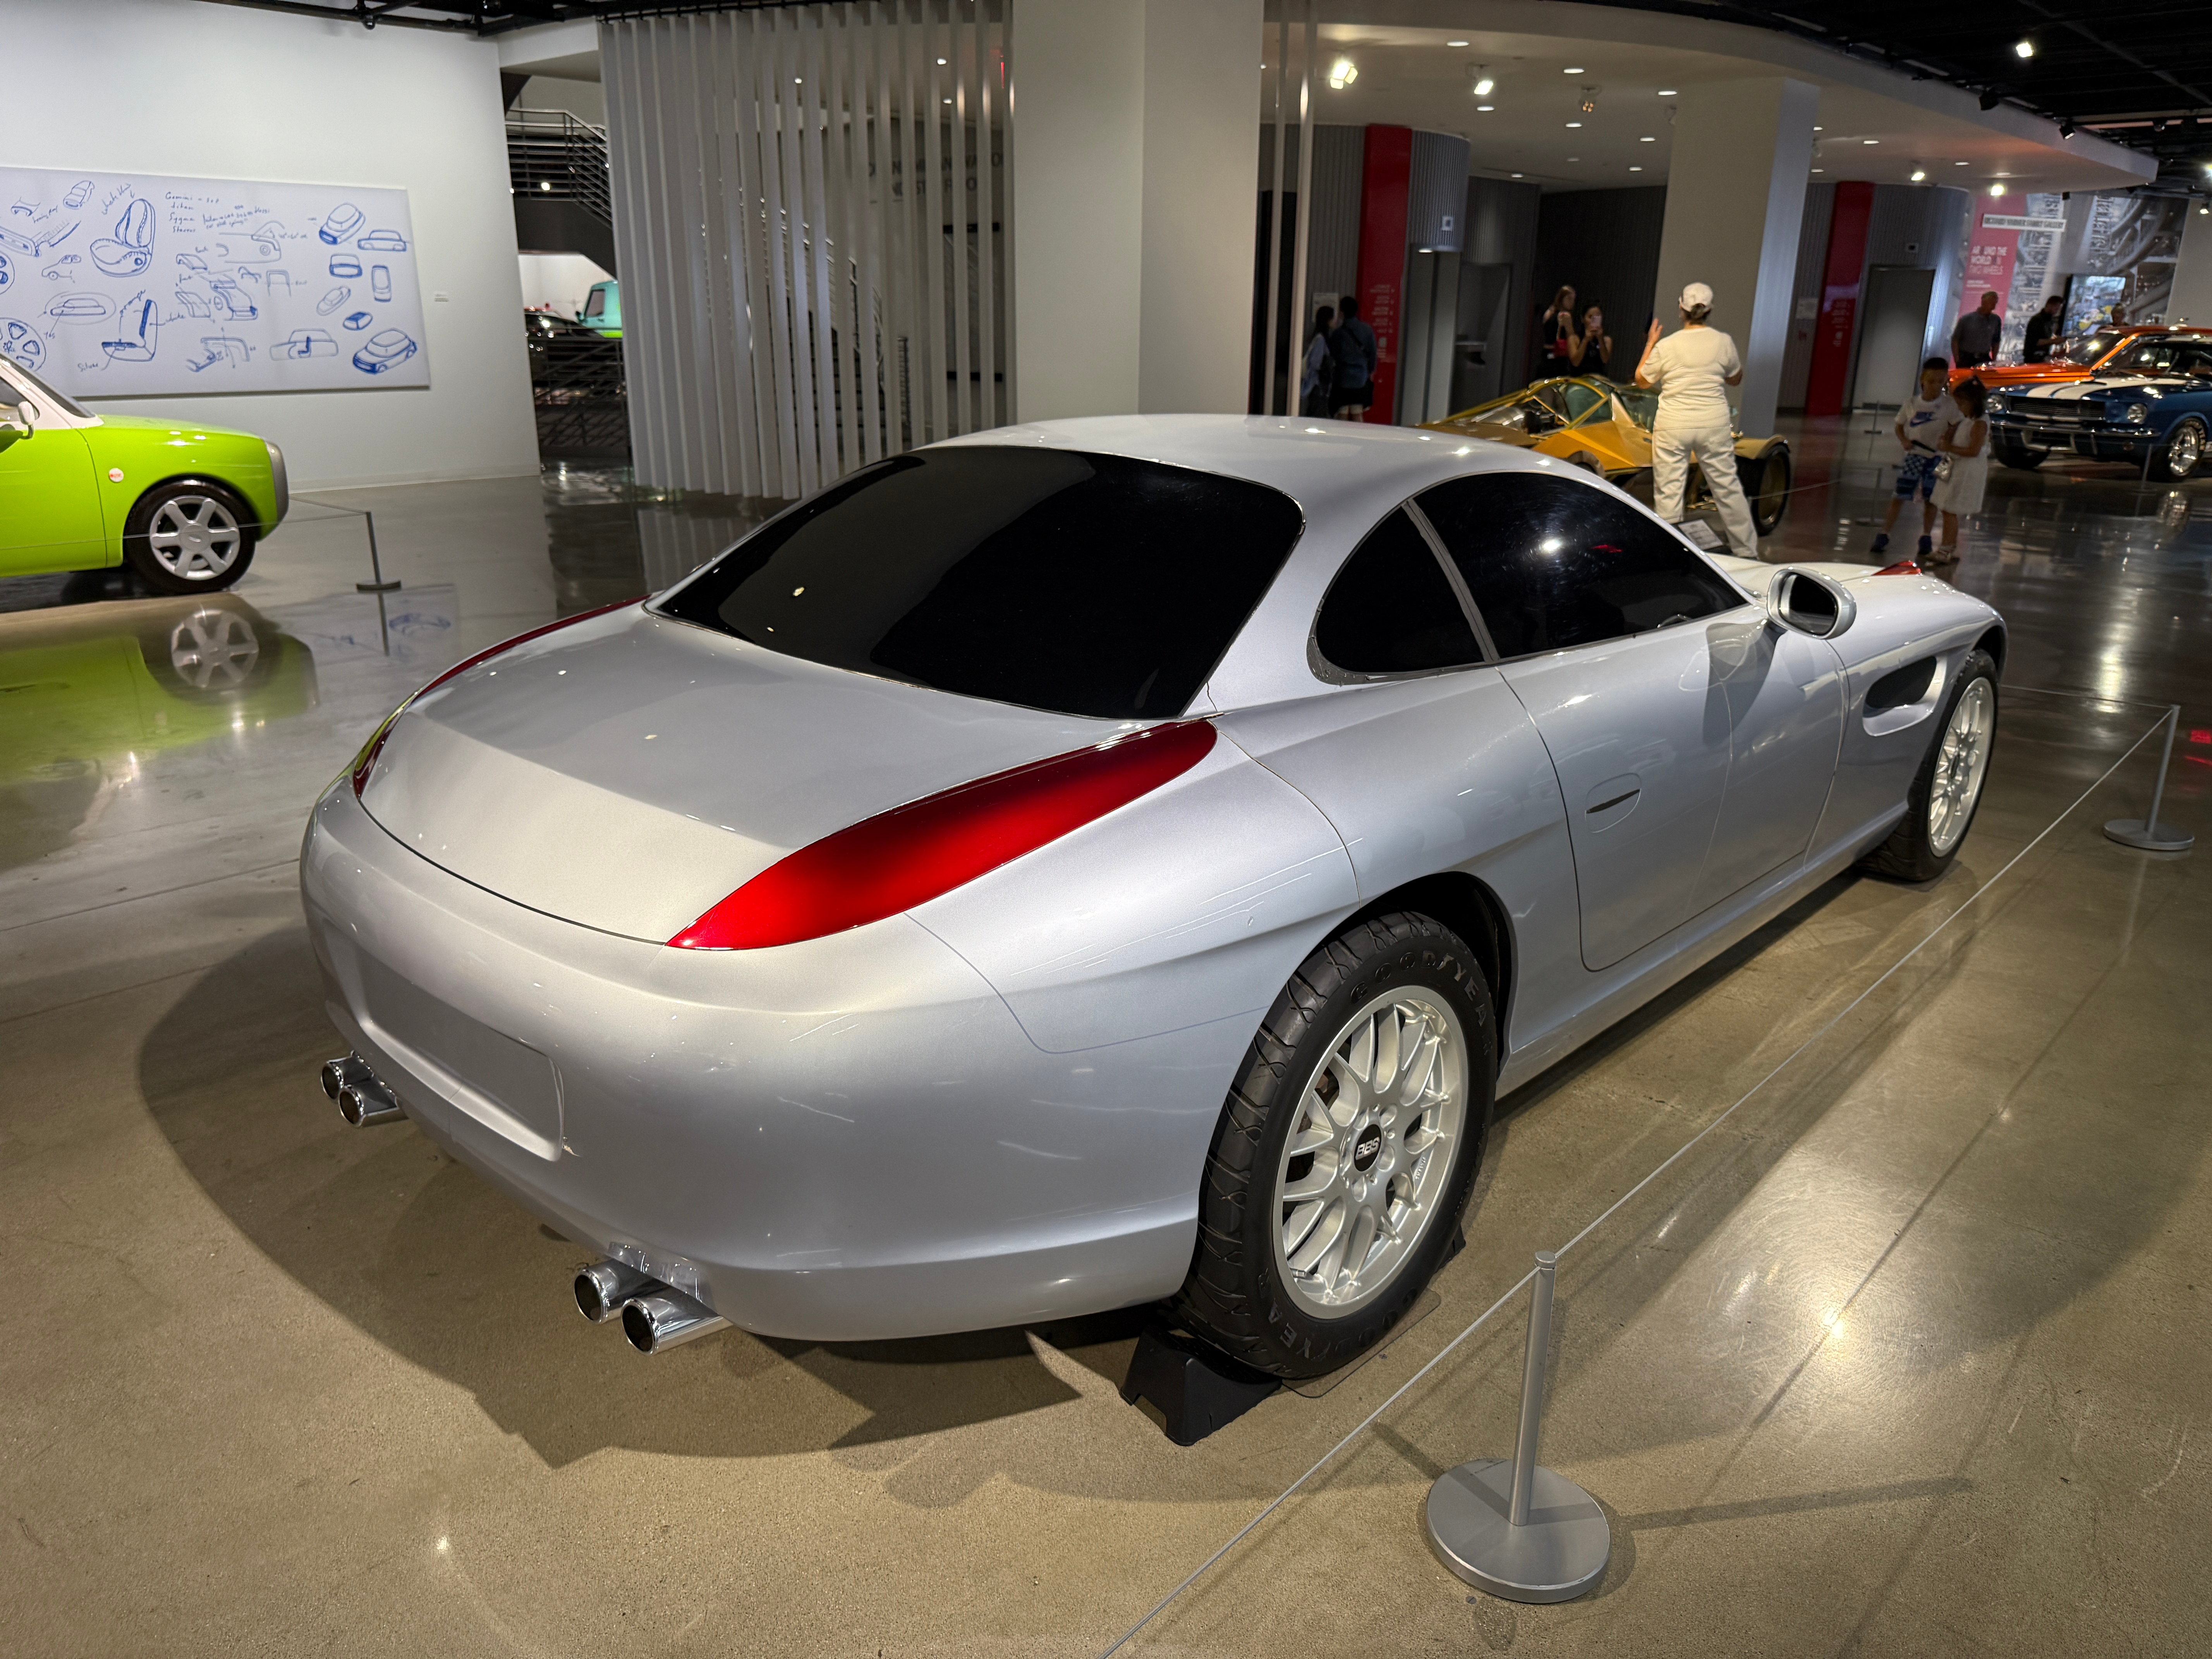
(89, 693)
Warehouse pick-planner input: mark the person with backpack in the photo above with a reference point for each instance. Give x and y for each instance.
(1351, 347)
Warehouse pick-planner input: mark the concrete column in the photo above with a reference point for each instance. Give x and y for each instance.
(1136, 128)
(1736, 202)
(2192, 276)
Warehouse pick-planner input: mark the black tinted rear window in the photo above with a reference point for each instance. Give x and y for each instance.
(1084, 584)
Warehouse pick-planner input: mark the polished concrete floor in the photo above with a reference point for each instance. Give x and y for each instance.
(1911, 1356)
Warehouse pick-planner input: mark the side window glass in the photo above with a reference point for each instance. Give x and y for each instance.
(1391, 610)
(1581, 400)
(1552, 562)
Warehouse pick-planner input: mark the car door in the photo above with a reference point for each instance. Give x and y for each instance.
(1599, 615)
(49, 500)
(1782, 693)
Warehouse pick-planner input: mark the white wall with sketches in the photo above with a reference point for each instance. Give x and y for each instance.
(274, 97)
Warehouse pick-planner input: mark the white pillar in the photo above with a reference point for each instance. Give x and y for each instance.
(2192, 276)
(1136, 127)
(1735, 201)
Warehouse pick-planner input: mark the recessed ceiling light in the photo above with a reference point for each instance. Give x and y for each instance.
(1574, 123)
(1574, 72)
(1517, 175)
(1484, 109)
(1454, 43)
(1961, 164)
(1574, 158)
(2024, 48)
(1636, 169)
(1996, 189)
(1647, 139)
(1919, 174)
(1870, 141)
(1820, 169)
(1668, 91)
(941, 63)
(1819, 129)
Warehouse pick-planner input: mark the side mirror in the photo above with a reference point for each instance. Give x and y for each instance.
(1806, 602)
(14, 420)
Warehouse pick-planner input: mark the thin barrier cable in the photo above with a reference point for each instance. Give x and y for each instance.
(1612, 1209)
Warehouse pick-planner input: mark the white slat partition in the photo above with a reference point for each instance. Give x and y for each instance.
(810, 216)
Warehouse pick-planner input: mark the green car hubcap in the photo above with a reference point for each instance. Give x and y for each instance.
(194, 537)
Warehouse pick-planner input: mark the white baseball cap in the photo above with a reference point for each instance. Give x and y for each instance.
(1696, 294)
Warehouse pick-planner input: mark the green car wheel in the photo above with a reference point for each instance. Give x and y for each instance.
(189, 537)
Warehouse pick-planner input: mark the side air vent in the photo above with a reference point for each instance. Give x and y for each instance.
(1901, 686)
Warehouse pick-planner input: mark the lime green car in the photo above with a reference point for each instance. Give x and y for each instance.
(183, 506)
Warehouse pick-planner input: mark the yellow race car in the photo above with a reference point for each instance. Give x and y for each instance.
(1594, 424)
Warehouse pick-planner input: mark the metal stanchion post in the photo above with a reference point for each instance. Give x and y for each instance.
(2147, 833)
(1516, 1530)
(375, 564)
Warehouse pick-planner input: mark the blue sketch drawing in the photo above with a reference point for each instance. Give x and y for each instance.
(332, 300)
(22, 343)
(79, 307)
(8, 271)
(344, 264)
(131, 249)
(191, 304)
(379, 281)
(359, 321)
(260, 248)
(191, 262)
(136, 341)
(31, 245)
(384, 352)
(383, 241)
(304, 342)
(222, 349)
(279, 282)
(78, 192)
(231, 298)
(345, 219)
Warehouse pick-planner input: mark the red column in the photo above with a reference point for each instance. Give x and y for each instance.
(1386, 183)
(1839, 299)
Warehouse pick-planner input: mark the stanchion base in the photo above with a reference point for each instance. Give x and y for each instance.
(376, 587)
(1560, 1553)
(2130, 832)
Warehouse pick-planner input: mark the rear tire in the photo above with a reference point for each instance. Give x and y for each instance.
(189, 537)
(1947, 791)
(1307, 1258)
(1767, 487)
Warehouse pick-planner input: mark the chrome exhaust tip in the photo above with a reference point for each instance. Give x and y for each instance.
(368, 1102)
(346, 1068)
(667, 1319)
(603, 1287)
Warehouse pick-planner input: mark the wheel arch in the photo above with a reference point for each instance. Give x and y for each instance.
(1465, 904)
(1993, 641)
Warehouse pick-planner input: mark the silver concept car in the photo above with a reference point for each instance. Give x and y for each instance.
(1102, 862)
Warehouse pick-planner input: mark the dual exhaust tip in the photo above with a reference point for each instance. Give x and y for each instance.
(653, 1316)
(363, 1098)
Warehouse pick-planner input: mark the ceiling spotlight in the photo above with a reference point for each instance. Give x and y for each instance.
(1919, 174)
(1574, 72)
(1819, 129)
(1647, 139)
(940, 63)
(1484, 86)
(1996, 189)
(1820, 169)
(1574, 123)
(1668, 91)
(1870, 141)
(1484, 109)
(1454, 43)
(2023, 48)
(1342, 73)
(1517, 175)
(1961, 164)
(1636, 169)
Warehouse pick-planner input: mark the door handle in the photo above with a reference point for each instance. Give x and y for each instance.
(1614, 799)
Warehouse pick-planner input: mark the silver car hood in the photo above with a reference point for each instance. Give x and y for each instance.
(629, 771)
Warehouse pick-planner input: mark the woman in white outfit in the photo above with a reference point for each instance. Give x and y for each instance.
(1692, 370)
(1966, 446)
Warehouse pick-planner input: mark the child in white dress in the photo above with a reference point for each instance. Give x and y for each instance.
(1967, 447)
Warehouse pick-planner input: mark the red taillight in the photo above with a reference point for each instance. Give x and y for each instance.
(1902, 568)
(910, 854)
(365, 762)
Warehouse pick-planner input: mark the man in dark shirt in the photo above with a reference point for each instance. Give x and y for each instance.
(1352, 344)
(2043, 331)
(1974, 338)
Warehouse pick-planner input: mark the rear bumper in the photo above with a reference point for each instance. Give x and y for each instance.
(844, 1139)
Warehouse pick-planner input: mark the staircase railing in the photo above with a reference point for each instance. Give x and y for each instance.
(552, 156)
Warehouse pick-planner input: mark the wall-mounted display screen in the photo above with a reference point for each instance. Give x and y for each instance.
(133, 284)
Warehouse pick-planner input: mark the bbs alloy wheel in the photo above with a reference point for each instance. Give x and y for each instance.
(1346, 1149)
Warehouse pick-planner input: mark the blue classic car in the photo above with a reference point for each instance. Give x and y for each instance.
(2150, 406)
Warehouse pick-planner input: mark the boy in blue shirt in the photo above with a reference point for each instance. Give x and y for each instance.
(1922, 420)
